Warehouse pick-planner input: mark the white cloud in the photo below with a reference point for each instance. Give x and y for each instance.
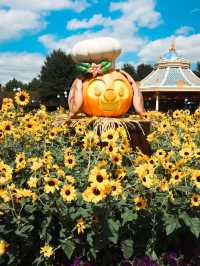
(22, 16)
(22, 66)
(195, 10)
(134, 14)
(187, 46)
(184, 30)
(97, 19)
(16, 22)
(142, 12)
(45, 5)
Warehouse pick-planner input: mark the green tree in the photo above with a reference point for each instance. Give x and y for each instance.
(197, 70)
(35, 84)
(143, 70)
(12, 84)
(129, 68)
(57, 74)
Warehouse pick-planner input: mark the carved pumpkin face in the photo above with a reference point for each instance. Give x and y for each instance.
(107, 95)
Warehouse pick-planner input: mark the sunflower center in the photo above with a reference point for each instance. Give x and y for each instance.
(96, 192)
(7, 127)
(110, 148)
(176, 177)
(144, 179)
(116, 159)
(70, 161)
(99, 178)
(20, 160)
(67, 192)
(186, 153)
(110, 136)
(51, 183)
(198, 178)
(22, 98)
(139, 204)
(114, 188)
(195, 199)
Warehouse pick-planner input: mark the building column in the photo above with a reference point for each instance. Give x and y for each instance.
(157, 101)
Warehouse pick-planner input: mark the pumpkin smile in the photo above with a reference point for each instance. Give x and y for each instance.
(109, 106)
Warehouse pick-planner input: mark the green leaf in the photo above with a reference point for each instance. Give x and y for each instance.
(128, 216)
(195, 226)
(186, 218)
(68, 247)
(90, 238)
(114, 228)
(127, 247)
(171, 224)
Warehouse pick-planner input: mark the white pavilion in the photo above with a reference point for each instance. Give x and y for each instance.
(171, 79)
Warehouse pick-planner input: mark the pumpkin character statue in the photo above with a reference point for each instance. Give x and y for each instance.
(102, 90)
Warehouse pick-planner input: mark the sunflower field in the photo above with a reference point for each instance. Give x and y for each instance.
(71, 194)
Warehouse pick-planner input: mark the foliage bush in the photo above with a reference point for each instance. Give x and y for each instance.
(70, 195)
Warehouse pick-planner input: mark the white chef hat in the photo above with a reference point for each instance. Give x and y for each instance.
(96, 50)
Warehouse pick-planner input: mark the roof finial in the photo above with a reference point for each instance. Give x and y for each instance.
(173, 46)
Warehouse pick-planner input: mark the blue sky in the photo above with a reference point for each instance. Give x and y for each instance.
(29, 30)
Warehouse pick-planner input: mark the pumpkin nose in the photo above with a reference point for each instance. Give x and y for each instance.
(110, 95)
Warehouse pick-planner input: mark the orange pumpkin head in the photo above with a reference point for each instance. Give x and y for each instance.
(107, 95)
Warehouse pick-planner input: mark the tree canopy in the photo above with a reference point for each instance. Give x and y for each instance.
(14, 84)
(57, 73)
(137, 74)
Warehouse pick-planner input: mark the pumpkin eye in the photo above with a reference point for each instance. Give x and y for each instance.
(121, 88)
(96, 88)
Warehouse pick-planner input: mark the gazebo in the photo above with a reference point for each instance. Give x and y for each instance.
(171, 82)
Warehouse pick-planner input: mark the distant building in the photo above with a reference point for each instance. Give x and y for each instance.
(171, 84)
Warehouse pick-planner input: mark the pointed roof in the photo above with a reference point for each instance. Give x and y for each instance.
(171, 73)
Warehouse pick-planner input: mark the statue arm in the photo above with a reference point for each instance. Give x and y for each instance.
(75, 99)
(138, 101)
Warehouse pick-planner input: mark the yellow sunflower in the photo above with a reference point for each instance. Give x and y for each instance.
(20, 161)
(144, 169)
(53, 133)
(5, 195)
(98, 175)
(1, 135)
(70, 179)
(116, 158)
(160, 154)
(32, 182)
(80, 225)
(5, 173)
(116, 188)
(90, 140)
(3, 246)
(22, 98)
(7, 127)
(68, 193)
(69, 161)
(195, 200)
(110, 148)
(176, 178)
(164, 185)
(196, 178)
(46, 251)
(109, 135)
(148, 181)
(94, 193)
(140, 203)
(51, 185)
(68, 152)
(186, 153)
